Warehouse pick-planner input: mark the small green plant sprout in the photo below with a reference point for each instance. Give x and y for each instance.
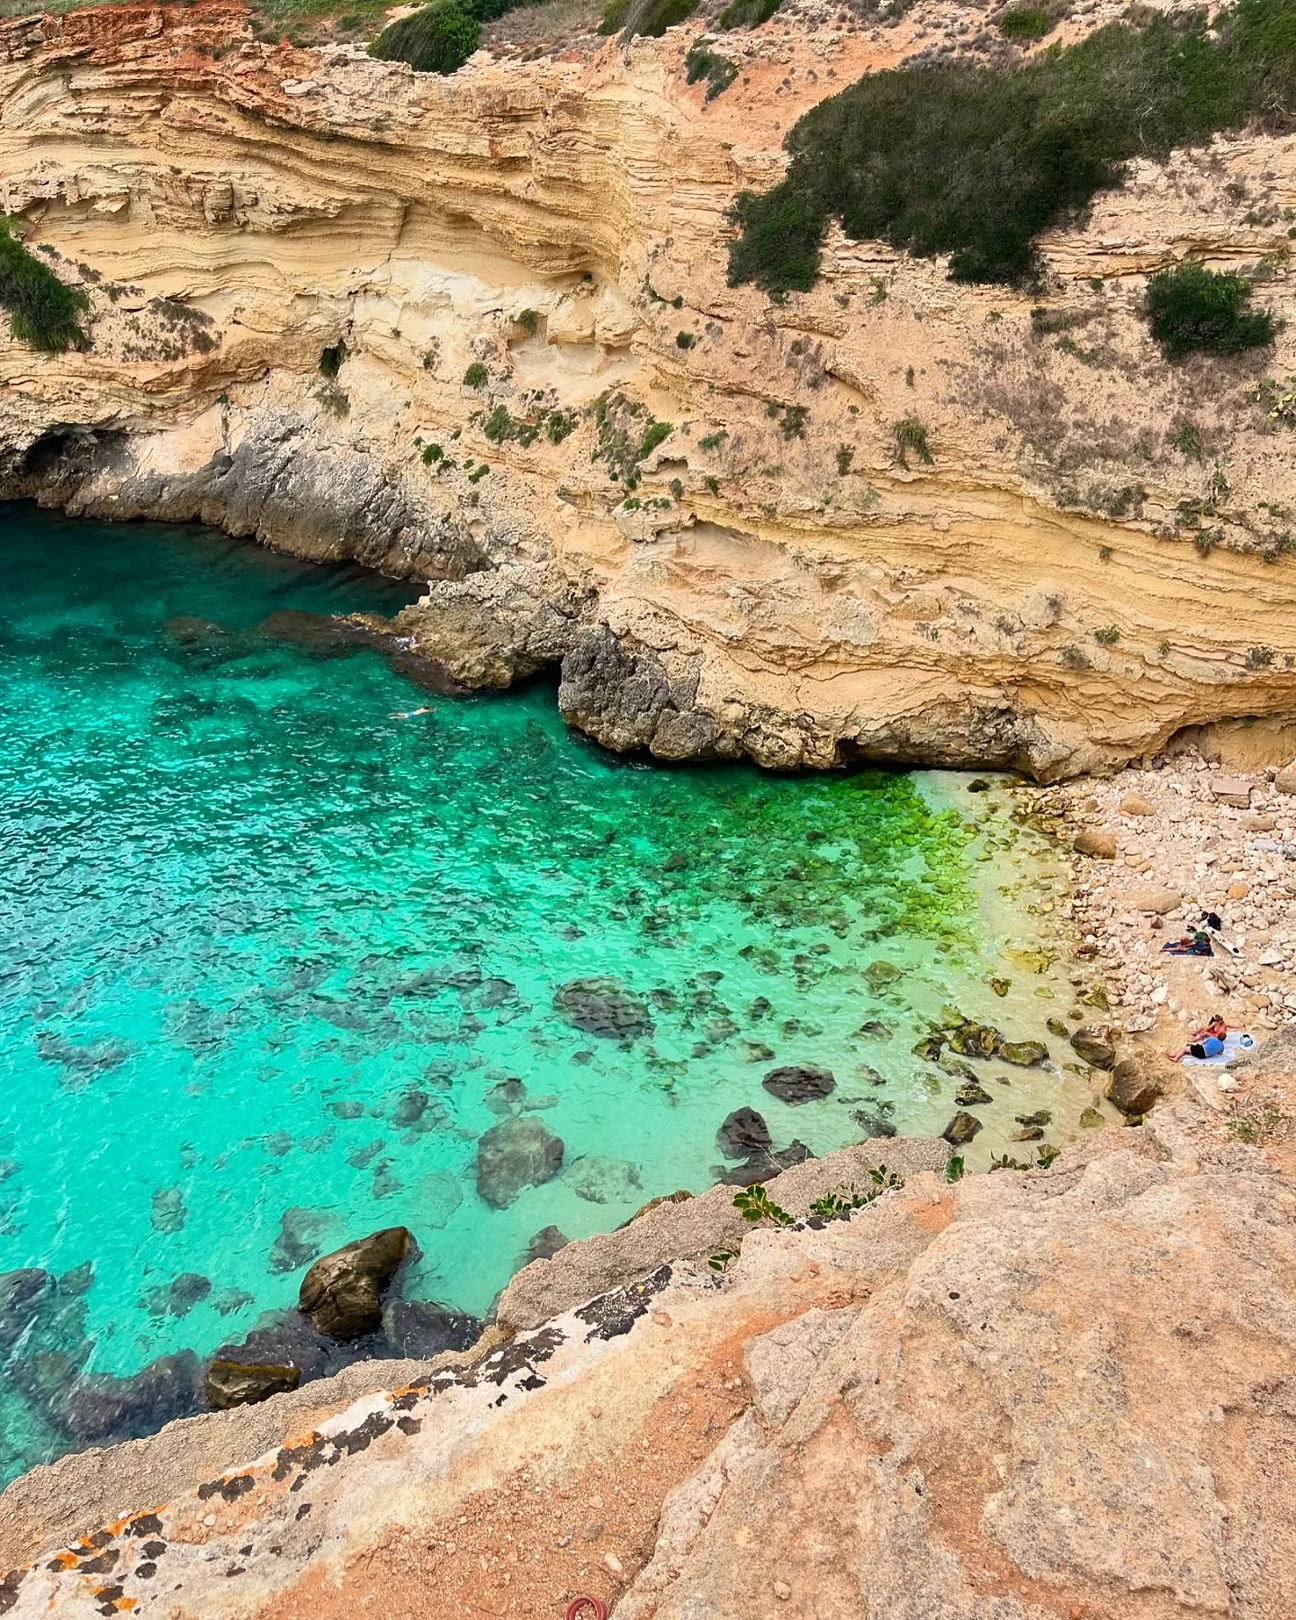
(529, 321)
(1163, 647)
(1185, 437)
(1107, 636)
(1105, 553)
(955, 1168)
(880, 291)
(755, 1204)
(476, 375)
(1279, 400)
(723, 1259)
(432, 453)
(1025, 23)
(909, 376)
(1045, 1154)
(911, 435)
(330, 360)
(1193, 310)
(713, 441)
(1259, 657)
(1253, 1129)
(845, 455)
(712, 483)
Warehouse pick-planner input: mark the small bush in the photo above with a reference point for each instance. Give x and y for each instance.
(1193, 310)
(748, 13)
(43, 311)
(478, 473)
(910, 434)
(1025, 22)
(476, 375)
(713, 441)
(330, 360)
(498, 426)
(1259, 657)
(432, 453)
(650, 17)
(435, 39)
(1108, 636)
(558, 424)
(653, 436)
(845, 455)
(684, 340)
(794, 421)
(1185, 437)
(704, 63)
(529, 321)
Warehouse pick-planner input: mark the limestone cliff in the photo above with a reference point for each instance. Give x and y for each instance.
(1020, 1397)
(1061, 589)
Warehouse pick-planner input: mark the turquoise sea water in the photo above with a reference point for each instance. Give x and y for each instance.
(269, 958)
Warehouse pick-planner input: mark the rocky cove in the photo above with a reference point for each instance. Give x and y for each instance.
(387, 1059)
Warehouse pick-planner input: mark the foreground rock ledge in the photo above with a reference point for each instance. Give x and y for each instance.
(1017, 1398)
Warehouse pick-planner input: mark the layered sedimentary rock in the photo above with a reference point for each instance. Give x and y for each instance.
(525, 267)
(1014, 1398)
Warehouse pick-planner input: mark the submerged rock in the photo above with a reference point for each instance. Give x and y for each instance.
(800, 1083)
(603, 1006)
(242, 1383)
(544, 1244)
(873, 1125)
(167, 1212)
(514, 1154)
(975, 1040)
(763, 1166)
(600, 1180)
(961, 1129)
(880, 976)
(300, 1233)
(419, 1329)
(99, 1409)
(744, 1131)
(341, 1294)
(1025, 1054)
(972, 1095)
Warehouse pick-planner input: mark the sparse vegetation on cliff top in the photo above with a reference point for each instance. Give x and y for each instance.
(976, 162)
(44, 312)
(436, 39)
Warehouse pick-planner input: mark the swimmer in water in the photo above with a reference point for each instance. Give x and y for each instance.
(407, 714)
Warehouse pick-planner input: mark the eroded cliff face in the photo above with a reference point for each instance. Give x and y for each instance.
(776, 583)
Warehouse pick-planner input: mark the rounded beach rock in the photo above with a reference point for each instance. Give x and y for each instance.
(341, 1294)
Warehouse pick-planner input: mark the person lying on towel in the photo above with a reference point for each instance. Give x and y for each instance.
(1197, 944)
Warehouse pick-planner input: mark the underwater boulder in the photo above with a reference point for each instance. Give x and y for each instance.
(763, 1166)
(22, 1294)
(880, 976)
(972, 1094)
(419, 1329)
(99, 1409)
(961, 1129)
(975, 1040)
(600, 1180)
(1025, 1054)
(300, 1232)
(873, 1125)
(544, 1244)
(514, 1154)
(744, 1131)
(341, 1294)
(603, 1006)
(244, 1383)
(797, 1083)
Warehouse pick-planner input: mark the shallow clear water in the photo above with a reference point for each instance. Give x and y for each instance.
(264, 948)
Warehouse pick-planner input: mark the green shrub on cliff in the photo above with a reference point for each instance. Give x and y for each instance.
(436, 39)
(651, 17)
(1192, 310)
(977, 162)
(44, 312)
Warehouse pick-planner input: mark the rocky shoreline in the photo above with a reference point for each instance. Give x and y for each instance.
(962, 1388)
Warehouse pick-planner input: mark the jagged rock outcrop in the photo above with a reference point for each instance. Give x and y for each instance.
(1012, 1398)
(778, 584)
